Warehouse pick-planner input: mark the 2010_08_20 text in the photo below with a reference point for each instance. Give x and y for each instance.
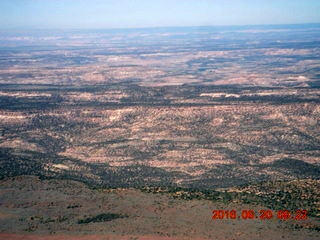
(266, 214)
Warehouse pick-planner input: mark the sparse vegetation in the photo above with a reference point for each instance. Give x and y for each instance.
(103, 217)
(229, 119)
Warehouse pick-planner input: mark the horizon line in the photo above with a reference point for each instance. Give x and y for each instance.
(159, 27)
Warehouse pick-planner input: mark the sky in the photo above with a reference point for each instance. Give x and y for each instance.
(102, 14)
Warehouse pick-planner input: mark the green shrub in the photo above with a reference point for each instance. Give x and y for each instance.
(103, 217)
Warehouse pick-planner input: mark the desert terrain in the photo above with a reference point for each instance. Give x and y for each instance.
(157, 128)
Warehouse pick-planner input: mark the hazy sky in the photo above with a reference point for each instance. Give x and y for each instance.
(150, 13)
